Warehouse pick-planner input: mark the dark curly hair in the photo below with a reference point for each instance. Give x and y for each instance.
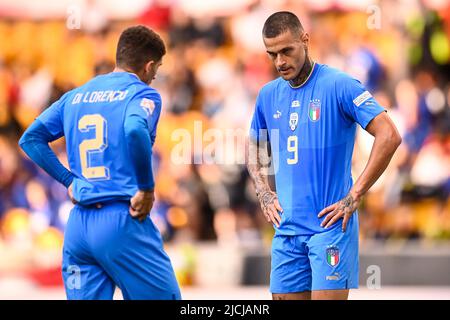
(137, 46)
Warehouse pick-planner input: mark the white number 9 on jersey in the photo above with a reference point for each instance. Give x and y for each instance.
(95, 145)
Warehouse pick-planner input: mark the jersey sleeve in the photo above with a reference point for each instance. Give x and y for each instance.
(147, 105)
(357, 104)
(140, 125)
(258, 127)
(34, 142)
(53, 117)
(153, 122)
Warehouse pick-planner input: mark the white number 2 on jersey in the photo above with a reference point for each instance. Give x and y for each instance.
(292, 146)
(96, 145)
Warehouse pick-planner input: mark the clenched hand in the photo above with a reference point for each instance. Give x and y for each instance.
(141, 204)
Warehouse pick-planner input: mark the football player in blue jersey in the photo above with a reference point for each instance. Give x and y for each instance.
(308, 118)
(109, 125)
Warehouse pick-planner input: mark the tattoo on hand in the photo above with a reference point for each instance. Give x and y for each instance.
(347, 204)
(267, 198)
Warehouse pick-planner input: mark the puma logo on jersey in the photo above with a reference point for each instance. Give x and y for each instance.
(277, 115)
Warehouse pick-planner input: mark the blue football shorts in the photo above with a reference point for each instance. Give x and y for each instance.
(323, 261)
(105, 247)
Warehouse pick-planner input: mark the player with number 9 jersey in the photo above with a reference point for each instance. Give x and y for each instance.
(309, 117)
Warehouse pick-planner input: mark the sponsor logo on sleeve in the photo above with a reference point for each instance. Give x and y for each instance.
(362, 98)
(148, 106)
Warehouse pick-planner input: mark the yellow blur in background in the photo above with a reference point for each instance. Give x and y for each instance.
(206, 208)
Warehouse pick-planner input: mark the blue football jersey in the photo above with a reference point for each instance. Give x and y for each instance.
(91, 118)
(311, 130)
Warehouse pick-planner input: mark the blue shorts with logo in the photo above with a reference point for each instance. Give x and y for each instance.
(323, 261)
(105, 247)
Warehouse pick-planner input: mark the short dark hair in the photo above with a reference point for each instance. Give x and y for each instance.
(280, 22)
(138, 45)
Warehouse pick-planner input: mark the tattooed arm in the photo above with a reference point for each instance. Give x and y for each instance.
(257, 160)
(387, 140)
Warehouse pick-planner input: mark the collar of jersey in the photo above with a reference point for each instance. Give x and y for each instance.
(126, 72)
(307, 79)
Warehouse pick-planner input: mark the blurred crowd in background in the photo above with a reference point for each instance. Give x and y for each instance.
(215, 65)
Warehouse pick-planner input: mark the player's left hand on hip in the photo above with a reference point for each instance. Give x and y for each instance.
(141, 204)
(341, 209)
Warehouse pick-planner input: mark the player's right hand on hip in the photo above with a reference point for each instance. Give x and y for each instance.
(270, 206)
(141, 204)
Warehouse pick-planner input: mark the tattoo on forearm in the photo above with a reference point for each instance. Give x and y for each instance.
(254, 166)
(256, 171)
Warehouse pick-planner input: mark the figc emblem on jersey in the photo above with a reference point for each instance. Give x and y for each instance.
(314, 110)
(293, 120)
(332, 255)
